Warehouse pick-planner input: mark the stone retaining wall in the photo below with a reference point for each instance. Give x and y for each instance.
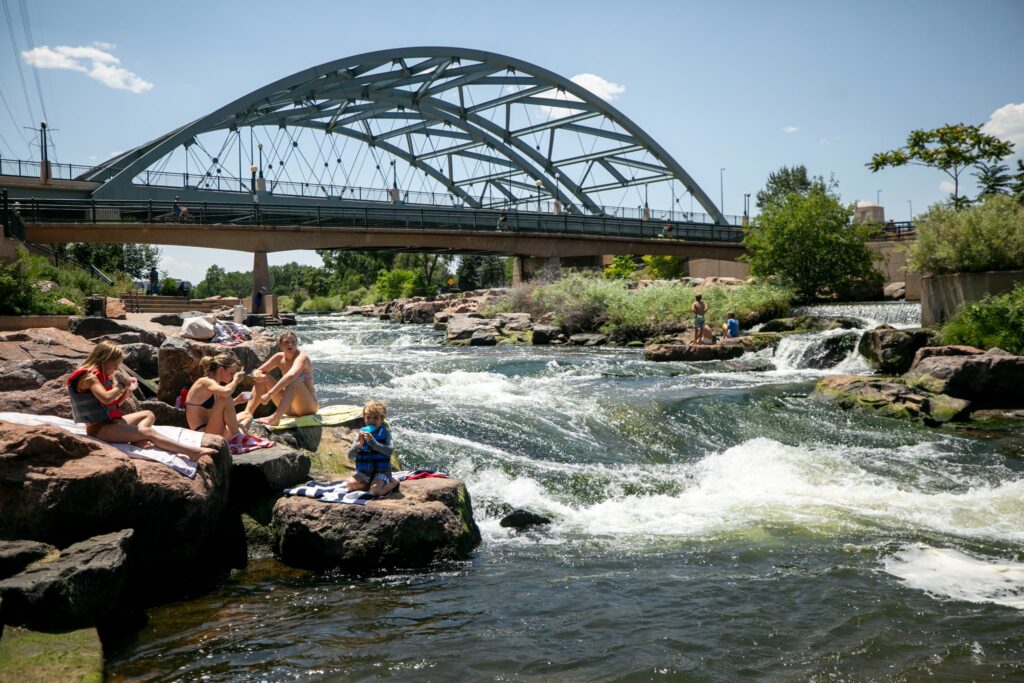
(16, 323)
(944, 295)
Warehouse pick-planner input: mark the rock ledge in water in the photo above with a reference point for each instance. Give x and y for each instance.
(424, 521)
(523, 519)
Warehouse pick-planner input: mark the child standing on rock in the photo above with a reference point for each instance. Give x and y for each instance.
(371, 450)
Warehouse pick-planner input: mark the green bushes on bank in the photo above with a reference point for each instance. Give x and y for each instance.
(987, 236)
(582, 302)
(20, 296)
(995, 321)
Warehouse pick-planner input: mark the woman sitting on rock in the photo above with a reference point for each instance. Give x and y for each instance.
(96, 401)
(294, 394)
(209, 406)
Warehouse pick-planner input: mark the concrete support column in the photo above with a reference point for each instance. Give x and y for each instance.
(518, 276)
(260, 280)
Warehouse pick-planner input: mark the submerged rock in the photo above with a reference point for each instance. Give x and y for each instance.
(426, 520)
(523, 519)
(588, 339)
(891, 398)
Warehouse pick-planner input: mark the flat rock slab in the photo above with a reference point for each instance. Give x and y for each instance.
(31, 657)
(268, 469)
(891, 398)
(424, 521)
(16, 555)
(79, 588)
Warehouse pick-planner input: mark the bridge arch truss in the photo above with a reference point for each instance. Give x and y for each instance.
(417, 125)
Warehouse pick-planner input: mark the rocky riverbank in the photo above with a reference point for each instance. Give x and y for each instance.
(89, 536)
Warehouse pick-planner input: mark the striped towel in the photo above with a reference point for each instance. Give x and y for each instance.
(331, 492)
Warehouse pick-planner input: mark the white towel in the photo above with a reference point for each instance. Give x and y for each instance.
(185, 437)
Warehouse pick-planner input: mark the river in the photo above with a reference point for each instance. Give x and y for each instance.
(710, 523)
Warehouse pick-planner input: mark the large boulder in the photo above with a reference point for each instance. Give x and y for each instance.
(891, 351)
(953, 350)
(139, 336)
(33, 365)
(420, 312)
(171, 319)
(676, 348)
(892, 398)
(462, 326)
(991, 379)
(826, 351)
(83, 586)
(543, 334)
(179, 360)
(268, 470)
(588, 339)
(424, 521)
(61, 489)
(142, 358)
(115, 309)
(91, 327)
(516, 322)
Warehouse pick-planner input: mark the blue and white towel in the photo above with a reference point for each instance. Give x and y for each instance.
(176, 462)
(331, 492)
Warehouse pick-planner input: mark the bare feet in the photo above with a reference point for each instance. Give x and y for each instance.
(145, 443)
(197, 453)
(271, 420)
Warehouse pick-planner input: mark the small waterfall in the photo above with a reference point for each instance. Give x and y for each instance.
(835, 349)
(895, 313)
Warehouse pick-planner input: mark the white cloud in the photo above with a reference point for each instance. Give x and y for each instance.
(1007, 123)
(103, 46)
(94, 61)
(602, 87)
(790, 129)
(947, 186)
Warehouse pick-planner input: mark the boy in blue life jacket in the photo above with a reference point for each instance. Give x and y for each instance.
(371, 450)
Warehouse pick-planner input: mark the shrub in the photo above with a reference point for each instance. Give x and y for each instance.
(286, 303)
(621, 267)
(995, 321)
(18, 295)
(987, 236)
(666, 267)
(392, 283)
(580, 302)
(322, 304)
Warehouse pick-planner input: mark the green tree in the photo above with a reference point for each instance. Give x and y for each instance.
(1018, 182)
(492, 271)
(134, 259)
(783, 182)
(391, 284)
(621, 267)
(993, 179)
(350, 270)
(951, 149)
(666, 267)
(467, 275)
(809, 244)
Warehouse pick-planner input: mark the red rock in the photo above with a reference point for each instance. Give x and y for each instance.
(115, 309)
(954, 350)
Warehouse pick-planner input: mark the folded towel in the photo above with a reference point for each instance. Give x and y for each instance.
(331, 492)
(409, 475)
(185, 437)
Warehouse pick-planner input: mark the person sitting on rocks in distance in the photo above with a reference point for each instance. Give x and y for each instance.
(708, 335)
(699, 310)
(294, 394)
(371, 450)
(209, 406)
(96, 401)
(731, 326)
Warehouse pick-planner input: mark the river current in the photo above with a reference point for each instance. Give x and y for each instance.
(710, 523)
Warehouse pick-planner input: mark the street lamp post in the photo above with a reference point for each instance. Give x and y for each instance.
(721, 190)
(539, 183)
(878, 197)
(252, 184)
(558, 204)
(910, 205)
(261, 184)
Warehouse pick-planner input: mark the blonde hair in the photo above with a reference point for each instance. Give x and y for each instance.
(285, 335)
(375, 408)
(210, 364)
(103, 353)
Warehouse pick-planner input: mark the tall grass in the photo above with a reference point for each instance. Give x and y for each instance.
(988, 236)
(995, 321)
(581, 302)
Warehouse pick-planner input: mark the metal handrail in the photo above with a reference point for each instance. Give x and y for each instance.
(331, 192)
(388, 216)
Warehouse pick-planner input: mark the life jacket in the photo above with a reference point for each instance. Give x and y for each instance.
(85, 407)
(369, 461)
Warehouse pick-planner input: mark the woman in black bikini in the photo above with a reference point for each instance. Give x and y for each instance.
(209, 406)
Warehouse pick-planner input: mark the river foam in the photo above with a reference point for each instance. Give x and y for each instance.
(946, 573)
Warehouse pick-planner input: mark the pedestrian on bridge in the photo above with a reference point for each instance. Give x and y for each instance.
(502, 221)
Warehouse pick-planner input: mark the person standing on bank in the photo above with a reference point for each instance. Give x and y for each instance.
(700, 309)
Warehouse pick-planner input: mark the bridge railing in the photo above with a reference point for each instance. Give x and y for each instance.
(370, 217)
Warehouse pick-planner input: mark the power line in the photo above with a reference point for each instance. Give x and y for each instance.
(10, 113)
(27, 26)
(17, 59)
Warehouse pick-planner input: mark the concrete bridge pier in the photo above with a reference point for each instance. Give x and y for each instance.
(260, 280)
(526, 268)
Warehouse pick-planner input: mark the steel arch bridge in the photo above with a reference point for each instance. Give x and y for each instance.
(428, 125)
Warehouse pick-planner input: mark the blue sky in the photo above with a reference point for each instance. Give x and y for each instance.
(745, 86)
